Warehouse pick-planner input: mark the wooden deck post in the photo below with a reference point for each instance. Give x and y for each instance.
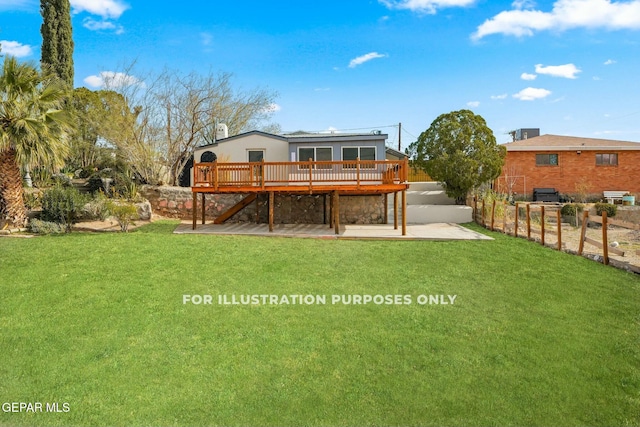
(194, 210)
(271, 198)
(404, 212)
(605, 240)
(395, 210)
(204, 207)
(336, 212)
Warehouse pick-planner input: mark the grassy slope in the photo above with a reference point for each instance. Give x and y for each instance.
(536, 337)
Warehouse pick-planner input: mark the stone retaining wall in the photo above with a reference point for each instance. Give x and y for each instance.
(177, 202)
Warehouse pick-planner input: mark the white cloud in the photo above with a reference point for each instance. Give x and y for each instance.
(111, 9)
(566, 14)
(473, 104)
(568, 71)
(425, 6)
(365, 58)
(18, 4)
(16, 49)
(112, 79)
(609, 62)
(104, 25)
(523, 4)
(531, 94)
(502, 96)
(273, 108)
(527, 76)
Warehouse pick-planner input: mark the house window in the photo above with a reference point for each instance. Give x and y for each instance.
(362, 153)
(317, 154)
(607, 159)
(255, 155)
(208, 157)
(546, 160)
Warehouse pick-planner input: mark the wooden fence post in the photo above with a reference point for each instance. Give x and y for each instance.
(493, 214)
(559, 231)
(583, 232)
(528, 221)
(542, 224)
(483, 213)
(516, 221)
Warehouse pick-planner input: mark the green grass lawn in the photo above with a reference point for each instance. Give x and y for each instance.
(535, 337)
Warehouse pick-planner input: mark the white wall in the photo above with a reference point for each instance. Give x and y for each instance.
(236, 150)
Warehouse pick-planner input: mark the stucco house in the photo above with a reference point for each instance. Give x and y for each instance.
(570, 165)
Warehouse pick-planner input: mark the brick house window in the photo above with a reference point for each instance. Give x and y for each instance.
(546, 160)
(607, 159)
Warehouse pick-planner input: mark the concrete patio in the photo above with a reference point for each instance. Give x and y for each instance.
(437, 231)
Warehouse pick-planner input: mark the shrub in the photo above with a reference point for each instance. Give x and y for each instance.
(113, 184)
(97, 207)
(608, 207)
(45, 227)
(124, 213)
(32, 199)
(61, 179)
(571, 209)
(62, 205)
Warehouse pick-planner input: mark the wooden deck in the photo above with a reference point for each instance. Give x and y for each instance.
(331, 178)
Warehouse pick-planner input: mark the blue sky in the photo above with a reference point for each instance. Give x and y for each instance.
(569, 67)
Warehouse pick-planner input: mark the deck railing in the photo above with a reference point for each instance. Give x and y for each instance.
(310, 173)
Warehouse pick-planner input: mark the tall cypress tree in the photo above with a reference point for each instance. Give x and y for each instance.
(57, 38)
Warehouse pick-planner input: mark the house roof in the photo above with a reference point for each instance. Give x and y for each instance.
(396, 153)
(242, 135)
(304, 137)
(570, 143)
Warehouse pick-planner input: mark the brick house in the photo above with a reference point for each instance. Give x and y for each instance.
(571, 165)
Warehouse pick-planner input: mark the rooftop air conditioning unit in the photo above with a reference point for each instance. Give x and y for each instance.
(222, 131)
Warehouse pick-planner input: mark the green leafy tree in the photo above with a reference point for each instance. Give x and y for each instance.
(33, 130)
(460, 151)
(57, 38)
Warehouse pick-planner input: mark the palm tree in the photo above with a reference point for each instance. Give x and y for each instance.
(33, 130)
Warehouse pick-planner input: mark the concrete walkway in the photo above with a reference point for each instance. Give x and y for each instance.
(438, 231)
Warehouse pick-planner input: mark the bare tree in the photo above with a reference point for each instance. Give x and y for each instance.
(176, 112)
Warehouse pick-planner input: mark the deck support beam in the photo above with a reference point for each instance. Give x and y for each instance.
(194, 210)
(271, 203)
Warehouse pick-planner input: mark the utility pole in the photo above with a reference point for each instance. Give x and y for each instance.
(400, 136)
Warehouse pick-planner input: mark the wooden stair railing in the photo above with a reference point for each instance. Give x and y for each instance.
(235, 208)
